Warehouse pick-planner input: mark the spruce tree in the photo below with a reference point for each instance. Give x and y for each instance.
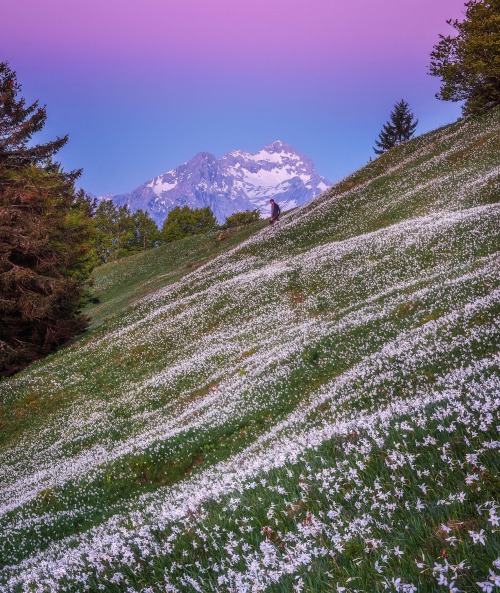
(399, 128)
(45, 237)
(468, 63)
(18, 123)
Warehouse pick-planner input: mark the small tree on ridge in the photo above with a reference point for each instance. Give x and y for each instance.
(399, 128)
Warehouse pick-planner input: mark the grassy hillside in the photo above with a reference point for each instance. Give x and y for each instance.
(118, 284)
(311, 407)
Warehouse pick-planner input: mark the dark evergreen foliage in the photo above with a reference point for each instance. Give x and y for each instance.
(399, 128)
(46, 251)
(469, 62)
(185, 221)
(241, 219)
(18, 123)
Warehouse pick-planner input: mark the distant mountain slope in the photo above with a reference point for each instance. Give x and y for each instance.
(237, 181)
(315, 409)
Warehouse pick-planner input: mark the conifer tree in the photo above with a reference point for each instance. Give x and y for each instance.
(399, 128)
(45, 237)
(468, 63)
(18, 123)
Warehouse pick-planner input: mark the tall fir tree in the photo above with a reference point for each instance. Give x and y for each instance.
(468, 62)
(18, 123)
(400, 127)
(46, 251)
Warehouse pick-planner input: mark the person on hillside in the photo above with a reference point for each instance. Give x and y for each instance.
(275, 212)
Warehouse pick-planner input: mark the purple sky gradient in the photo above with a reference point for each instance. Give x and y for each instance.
(141, 86)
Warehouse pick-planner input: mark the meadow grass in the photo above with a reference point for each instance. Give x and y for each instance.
(311, 406)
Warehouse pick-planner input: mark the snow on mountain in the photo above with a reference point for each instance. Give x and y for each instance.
(235, 182)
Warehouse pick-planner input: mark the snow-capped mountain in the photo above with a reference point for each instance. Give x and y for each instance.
(235, 182)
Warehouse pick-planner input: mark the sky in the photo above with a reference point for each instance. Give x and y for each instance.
(141, 86)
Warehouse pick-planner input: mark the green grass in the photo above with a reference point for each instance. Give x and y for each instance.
(244, 396)
(119, 284)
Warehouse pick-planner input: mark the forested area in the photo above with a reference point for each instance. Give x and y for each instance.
(118, 232)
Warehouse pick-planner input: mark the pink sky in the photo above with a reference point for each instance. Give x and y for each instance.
(103, 58)
(270, 35)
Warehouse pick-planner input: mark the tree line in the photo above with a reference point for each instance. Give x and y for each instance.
(52, 235)
(118, 232)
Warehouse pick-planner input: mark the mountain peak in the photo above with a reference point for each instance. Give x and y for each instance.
(279, 146)
(203, 157)
(237, 181)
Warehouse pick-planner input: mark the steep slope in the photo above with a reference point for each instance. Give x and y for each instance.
(315, 409)
(238, 181)
(117, 284)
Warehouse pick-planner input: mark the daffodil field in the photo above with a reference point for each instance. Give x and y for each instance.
(312, 408)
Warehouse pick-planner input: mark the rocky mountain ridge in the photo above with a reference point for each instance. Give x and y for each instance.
(237, 181)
